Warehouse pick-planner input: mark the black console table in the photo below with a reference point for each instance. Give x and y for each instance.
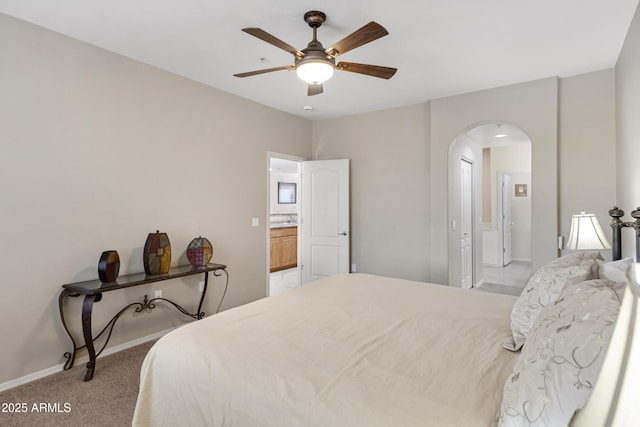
(93, 290)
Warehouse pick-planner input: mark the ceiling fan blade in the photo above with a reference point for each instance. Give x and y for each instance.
(266, 70)
(263, 35)
(370, 32)
(370, 70)
(315, 89)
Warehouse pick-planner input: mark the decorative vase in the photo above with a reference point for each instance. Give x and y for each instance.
(108, 266)
(157, 253)
(199, 251)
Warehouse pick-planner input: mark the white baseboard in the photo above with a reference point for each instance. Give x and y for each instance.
(80, 360)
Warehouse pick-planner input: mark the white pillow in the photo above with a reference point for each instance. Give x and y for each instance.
(562, 357)
(616, 271)
(544, 287)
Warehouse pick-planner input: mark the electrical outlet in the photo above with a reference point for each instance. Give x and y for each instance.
(201, 286)
(159, 293)
(353, 267)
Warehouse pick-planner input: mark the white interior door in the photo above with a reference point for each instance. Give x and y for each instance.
(506, 219)
(466, 229)
(325, 218)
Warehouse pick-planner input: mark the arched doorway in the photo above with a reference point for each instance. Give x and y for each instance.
(489, 204)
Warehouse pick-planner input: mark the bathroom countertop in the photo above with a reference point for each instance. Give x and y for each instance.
(283, 225)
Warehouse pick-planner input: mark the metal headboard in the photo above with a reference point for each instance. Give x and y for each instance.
(616, 225)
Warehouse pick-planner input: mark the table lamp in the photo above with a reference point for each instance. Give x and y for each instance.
(586, 233)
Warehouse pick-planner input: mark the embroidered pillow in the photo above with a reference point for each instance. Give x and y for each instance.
(616, 271)
(562, 357)
(544, 287)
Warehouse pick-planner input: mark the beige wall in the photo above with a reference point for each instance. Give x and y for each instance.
(389, 187)
(587, 147)
(628, 128)
(99, 150)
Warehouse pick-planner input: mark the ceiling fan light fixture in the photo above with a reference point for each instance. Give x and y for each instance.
(315, 64)
(315, 71)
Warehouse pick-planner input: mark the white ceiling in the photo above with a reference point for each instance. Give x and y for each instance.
(440, 47)
(498, 135)
(283, 166)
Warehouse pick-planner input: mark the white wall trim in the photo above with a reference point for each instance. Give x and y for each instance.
(79, 361)
(521, 260)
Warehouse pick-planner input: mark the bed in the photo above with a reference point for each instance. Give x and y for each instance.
(363, 350)
(348, 350)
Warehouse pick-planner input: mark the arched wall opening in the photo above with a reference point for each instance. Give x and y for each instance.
(490, 224)
(533, 106)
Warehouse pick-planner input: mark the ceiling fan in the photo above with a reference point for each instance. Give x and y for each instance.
(315, 64)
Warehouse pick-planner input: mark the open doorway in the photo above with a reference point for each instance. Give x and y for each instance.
(283, 235)
(320, 239)
(501, 229)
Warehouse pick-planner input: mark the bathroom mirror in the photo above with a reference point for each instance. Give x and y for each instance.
(286, 193)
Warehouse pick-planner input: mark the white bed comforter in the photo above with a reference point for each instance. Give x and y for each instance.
(350, 350)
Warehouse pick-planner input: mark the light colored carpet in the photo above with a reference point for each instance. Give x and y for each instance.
(66, 400)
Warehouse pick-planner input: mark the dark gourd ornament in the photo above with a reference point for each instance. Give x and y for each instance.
(108, 266)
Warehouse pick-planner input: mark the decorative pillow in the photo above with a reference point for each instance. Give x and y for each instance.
(616, 271)
(562, 357)
(544, 287)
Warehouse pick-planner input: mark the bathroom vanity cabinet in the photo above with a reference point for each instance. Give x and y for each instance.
(284, 248)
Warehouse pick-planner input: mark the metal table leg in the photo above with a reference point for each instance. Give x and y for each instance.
(70, 356)
(87, 308)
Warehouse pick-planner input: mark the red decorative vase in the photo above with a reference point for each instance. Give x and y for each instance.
(199, 251)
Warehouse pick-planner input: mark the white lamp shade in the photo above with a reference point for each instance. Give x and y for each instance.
(315, 72)
(586, 233)
(614, 400)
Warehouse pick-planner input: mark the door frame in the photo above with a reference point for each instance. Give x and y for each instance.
(282, 156)
(500, 211)
(463, 147)
(472, 229)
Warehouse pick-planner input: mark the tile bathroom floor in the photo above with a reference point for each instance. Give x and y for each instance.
(282, 281)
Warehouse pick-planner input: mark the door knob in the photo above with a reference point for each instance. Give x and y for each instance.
(344, 233)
